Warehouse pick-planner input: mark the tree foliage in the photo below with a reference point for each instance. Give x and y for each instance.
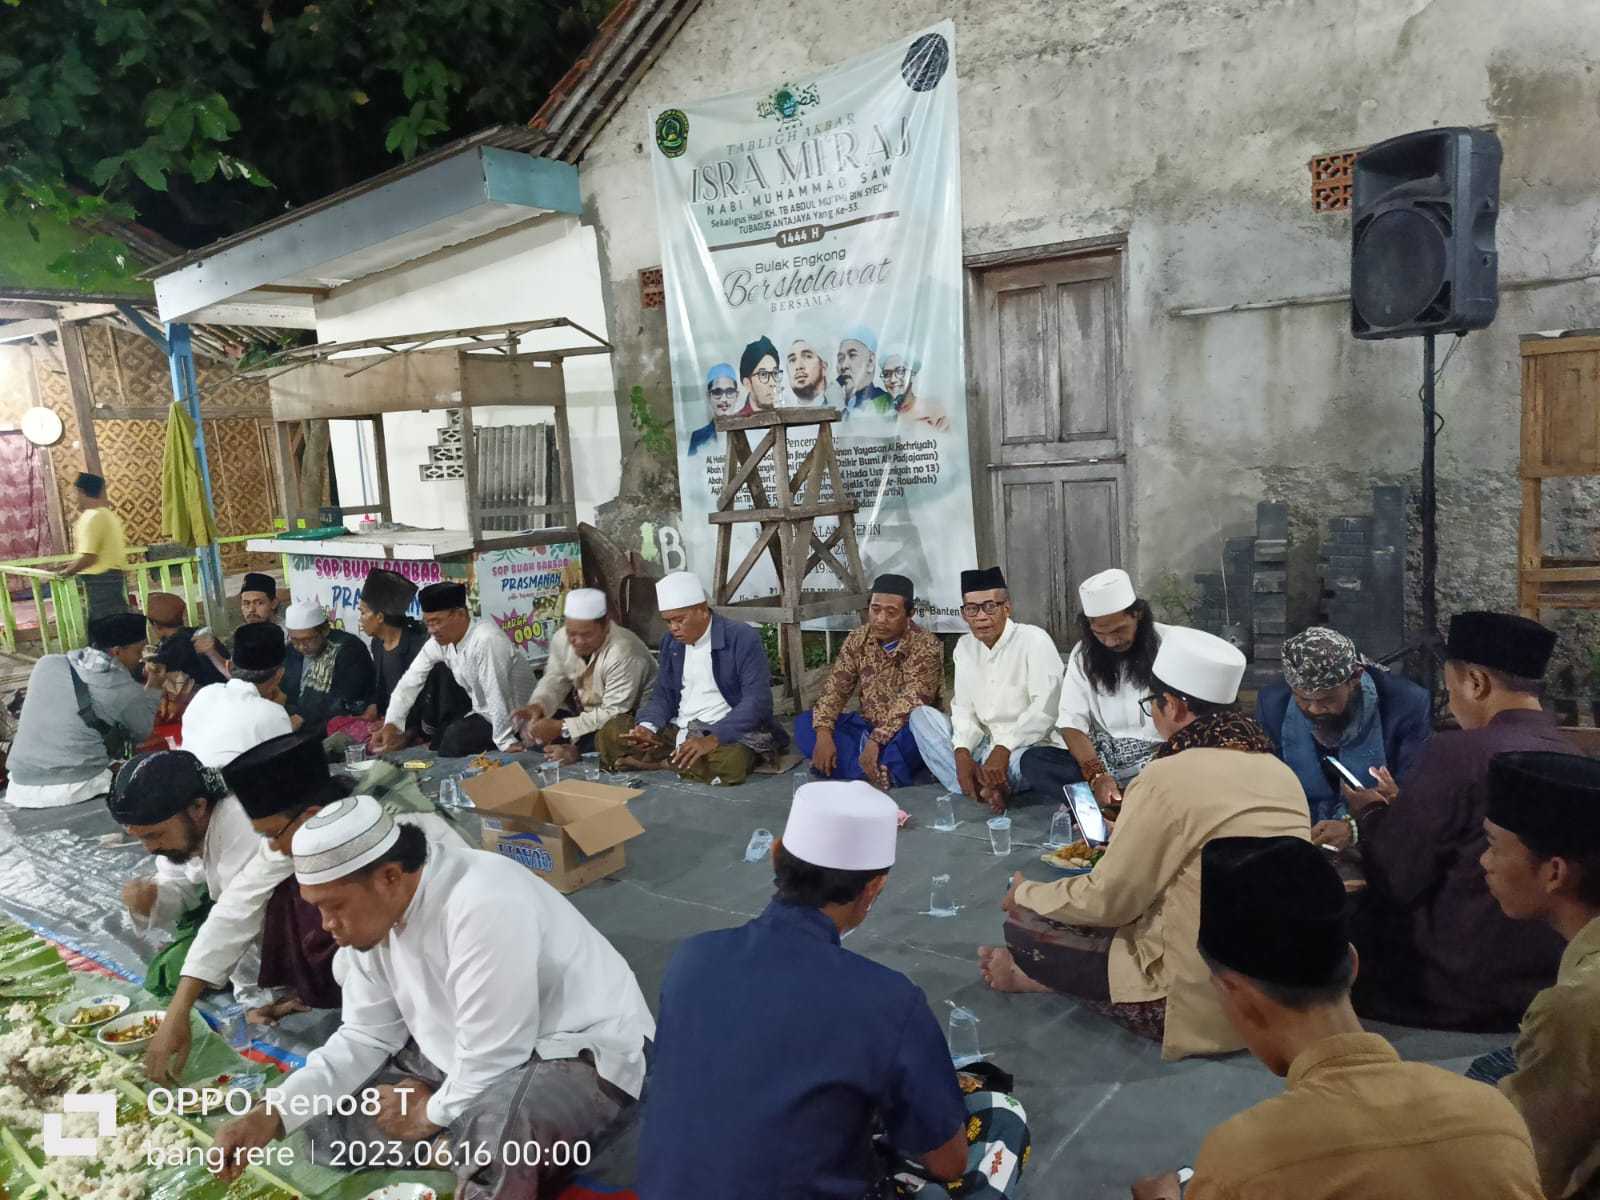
(202, 117)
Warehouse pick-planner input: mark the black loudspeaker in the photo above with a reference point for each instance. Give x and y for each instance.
(1423, 209)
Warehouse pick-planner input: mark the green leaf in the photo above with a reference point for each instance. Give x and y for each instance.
(179, 127)
(105, 170)
(203, 166)
(14, 109)
(397, 128)
(9, 65)
(158, 107)
(109, 28)
(150, 166)
(45, 117)
(132, 56)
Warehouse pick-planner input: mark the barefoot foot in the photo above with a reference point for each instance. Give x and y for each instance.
(1000, 972)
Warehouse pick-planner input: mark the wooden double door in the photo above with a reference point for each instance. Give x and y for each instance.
(1047, 420)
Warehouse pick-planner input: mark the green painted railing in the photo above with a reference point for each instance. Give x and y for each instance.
(60, 607)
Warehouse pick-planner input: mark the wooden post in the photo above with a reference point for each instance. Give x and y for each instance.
(380, 451)
(469, 472)
(77, 363)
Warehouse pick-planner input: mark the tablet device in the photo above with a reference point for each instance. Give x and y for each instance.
(1086, 811)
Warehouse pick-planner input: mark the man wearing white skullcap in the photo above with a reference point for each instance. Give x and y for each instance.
(328, 673)
(1124, 936)
(709, 716)
(804, 1043)
(493, 1031)
(1109, 737)
(597, 671)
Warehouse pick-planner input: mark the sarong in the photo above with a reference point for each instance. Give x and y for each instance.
(1072, 959)
(296, 952)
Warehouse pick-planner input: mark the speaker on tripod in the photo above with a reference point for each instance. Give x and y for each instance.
(1423, 212)
(1423, 262)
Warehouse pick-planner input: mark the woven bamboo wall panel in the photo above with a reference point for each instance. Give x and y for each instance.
(130, 372)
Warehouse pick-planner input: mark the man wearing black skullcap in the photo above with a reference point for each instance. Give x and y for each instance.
(102, 549)
(897, 667)
(1438, 951)
(1543, 864)
(1354, 1119)
(1008, 688)
(258, 599)
(83, 711)
(181, 812)
(487, 673)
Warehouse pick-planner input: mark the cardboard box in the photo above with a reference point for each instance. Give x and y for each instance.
(570, 834)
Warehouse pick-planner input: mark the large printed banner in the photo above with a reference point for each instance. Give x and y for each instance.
(811, 248)
(522, 590)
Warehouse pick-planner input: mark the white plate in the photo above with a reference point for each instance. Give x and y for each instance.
(127, 1021)
(63, 1012)
(403, 1191)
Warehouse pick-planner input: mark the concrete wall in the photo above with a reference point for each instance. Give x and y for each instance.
(1187, 128)
(547, 269)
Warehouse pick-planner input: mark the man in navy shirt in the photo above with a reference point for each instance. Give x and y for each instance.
(777, 1048)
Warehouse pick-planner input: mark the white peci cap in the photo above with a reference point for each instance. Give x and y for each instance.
(681, 589)
(341, 839)
(1106, 593)
(1199, 664)
(585, 604)
(846, 826)
(305, 614)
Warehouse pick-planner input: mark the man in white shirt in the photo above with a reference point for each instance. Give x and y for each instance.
(600, 664)
(488, 676)
(1109, 737)
(177, 806)
(470, 1031)
(709, 716)
(1008, 687)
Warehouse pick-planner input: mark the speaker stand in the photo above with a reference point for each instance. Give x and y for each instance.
(1430, 515)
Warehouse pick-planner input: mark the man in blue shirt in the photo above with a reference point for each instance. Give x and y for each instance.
(1333, 704)
(722, 400)
(776, 1048)
(709, 716)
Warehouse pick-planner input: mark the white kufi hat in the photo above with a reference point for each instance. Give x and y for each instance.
(1106, 593)
(341, 839)
(846, 826)
(226, 719)
(681, 589)
(1199, 664)
(305, 614)
(585, 604)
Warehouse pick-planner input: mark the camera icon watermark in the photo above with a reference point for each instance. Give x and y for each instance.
(102, 1104)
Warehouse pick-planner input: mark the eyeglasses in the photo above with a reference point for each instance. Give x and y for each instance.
(987, 608)
(727, 393)
(1148, 704)
(768, 376)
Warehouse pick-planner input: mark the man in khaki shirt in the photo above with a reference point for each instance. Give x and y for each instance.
(1122, 937)
(601, 665)
(1354, 1119)
(1543, 864)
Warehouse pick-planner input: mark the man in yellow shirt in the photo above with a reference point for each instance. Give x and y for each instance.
(1543, 864)
(102, 549)
(1353, 1120)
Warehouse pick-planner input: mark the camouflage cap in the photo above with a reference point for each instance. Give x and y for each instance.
(1318, 658)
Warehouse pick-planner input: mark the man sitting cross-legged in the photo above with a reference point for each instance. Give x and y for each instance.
(710, 715)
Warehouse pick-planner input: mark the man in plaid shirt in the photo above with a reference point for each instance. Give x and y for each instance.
(896, 667)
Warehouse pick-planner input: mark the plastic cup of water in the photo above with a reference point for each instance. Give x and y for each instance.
(1000, 835)
(450, 792)
(1061, 828)
(944, 812)
(591, 770)
(232, 1026)
(355, 752)
(940, 901)
(963, 1037)
(549, 774)
(760, 846)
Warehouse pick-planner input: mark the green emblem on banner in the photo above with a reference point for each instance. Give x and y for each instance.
(786, 102)
(672, 132)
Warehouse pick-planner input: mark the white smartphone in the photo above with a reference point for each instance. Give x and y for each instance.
(1086, 810)
(1349, 775)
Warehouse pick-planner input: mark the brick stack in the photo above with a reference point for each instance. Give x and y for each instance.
(1269, 593)
(1363, 574)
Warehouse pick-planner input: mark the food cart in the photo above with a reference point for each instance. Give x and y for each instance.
(519, 553)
